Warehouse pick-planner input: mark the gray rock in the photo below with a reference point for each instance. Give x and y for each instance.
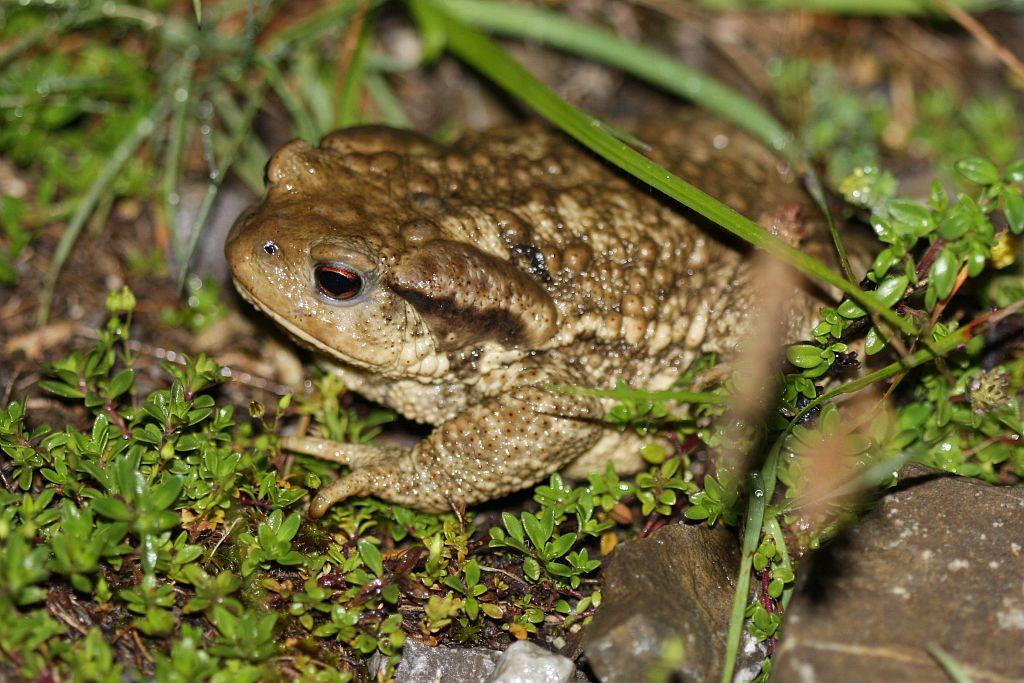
(940, 560)
(524, 662)
(676, 584)
(424, 664)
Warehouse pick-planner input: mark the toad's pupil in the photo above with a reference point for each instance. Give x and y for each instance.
(337, 283)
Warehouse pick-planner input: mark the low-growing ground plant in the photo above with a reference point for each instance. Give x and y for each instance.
(160, 532)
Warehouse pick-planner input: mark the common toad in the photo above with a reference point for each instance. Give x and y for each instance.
(456, 284)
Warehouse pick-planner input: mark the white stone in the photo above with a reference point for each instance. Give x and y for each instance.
(524, 662)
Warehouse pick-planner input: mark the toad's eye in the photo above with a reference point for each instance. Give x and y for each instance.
(337, 282)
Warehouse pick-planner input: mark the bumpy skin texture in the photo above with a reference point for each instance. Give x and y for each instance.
(486, 271)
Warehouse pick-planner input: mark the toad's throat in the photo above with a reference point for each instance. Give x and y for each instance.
(300, 335)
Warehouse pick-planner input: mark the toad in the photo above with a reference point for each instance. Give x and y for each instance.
(457, 284)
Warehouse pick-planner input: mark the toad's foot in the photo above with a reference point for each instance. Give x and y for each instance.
(352, 454)
(493, 448)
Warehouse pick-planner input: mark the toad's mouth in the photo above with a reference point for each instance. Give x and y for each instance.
(300, 335)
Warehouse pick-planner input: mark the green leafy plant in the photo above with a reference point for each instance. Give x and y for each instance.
(272, 543)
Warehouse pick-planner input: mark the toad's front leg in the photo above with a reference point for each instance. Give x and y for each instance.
(493, 448)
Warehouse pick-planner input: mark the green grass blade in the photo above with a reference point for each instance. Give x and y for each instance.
(657, 68)
(491, 60)
(249, 166)
(182, 93)
(309, 28)
(305, 126)
(952, 668)
(626, 394)
(759, 493)
(388, 106)
(231, 154)
(122, 153)
(347, 113)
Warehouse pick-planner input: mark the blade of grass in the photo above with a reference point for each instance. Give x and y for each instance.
(182, 95)
(305, 126)
(557, 30)
(305, 30)
(388, 106)
(491, 60)
(983, 36)
(127, 148)
(316, 91)
(658, 69)
(952, 667)
(352, 68)
(213, 189)
(759, 494)
(249, 166)
(626, 394)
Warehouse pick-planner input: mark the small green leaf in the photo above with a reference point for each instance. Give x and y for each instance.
(978, 170)
(560, 546)
(976, 259)
(883, 262)
(943, 273)
(892, 289)
(512, 523)
(112, 508)
(938, 198)
(850, 310)
(910, 213)
(1013, 204)
(121, 383)
(61, 389)
(955, 225)
(371, 557)
(1015, 172)
(804, 356)
(535, 530)
(472, 571)
(164, 495)
(289, 527)
(531, 569)
(873, 342)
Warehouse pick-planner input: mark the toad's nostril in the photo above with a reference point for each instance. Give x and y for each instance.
(270, 247)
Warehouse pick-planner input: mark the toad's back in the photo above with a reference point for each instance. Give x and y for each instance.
(640, 283)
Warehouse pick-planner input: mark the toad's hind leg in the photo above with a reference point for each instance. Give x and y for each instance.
(493, 448)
